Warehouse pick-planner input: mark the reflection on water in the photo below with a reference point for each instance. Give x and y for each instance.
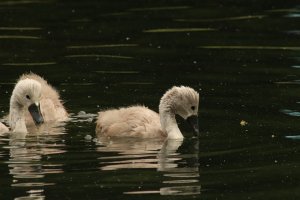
(29, 162)
(179, 177)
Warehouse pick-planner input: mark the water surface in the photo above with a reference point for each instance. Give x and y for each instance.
(243, 58)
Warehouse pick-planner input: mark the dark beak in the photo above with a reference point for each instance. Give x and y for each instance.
(36, 114)
(193, 122)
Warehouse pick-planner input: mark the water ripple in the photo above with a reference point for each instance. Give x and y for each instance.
(118, 72)
(136, 83)
(296, 48)
(101, 46)
(7, 28)
(296, 66)
(29, 64)
(293, 15)
(98, 56)
(13, 3)
(292, 113)
(19, 37)
(284, 10)
(294, 32)
(294, 82)
(117, 14)
(247, 17)
(177, 30)
(80, 20)
(160, 8)
(293, 137)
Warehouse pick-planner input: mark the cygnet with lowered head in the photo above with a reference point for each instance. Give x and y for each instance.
(139, 121)
(33, 102)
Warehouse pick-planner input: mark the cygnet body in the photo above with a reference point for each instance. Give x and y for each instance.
(34, 102)
(139, 121)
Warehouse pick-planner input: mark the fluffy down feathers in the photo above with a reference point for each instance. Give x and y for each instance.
(51, 106)
(135, 121)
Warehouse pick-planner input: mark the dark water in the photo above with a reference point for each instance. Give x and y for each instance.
(242, 56)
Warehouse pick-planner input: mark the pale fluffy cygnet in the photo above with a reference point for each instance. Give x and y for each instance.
(139, 121)
(33, 102)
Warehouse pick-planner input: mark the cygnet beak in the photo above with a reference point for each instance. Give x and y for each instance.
(193, 122)
(36, 114)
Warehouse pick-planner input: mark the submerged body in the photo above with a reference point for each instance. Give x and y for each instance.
(139, 121)
(34, 102)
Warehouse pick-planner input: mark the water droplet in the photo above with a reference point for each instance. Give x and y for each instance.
(81, 113)
(95, 140)
(88, 137)
(243, 123)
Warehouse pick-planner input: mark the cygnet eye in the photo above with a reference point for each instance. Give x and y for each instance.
(193, 107)
(28, 97)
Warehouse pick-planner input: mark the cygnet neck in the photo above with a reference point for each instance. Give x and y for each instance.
(17, 116)
(169, 123)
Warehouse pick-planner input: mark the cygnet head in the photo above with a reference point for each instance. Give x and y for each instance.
(183, 101)
(27, 94)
